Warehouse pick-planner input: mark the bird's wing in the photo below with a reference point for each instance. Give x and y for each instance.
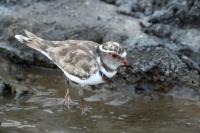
(34, 41)
(75, 57)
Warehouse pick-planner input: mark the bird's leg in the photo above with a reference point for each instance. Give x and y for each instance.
(82, 106)
(67, 99)
(82, 103)
(84, 109)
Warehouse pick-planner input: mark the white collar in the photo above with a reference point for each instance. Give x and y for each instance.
(103, 70)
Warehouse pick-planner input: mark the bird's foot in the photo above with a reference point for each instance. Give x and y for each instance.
(67, 102)
(86, 110)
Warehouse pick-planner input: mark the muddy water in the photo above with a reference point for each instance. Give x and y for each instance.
(41, 111)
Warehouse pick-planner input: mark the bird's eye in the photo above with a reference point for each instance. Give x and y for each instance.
(114, 55)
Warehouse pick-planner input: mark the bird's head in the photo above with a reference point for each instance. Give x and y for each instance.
(113, 55)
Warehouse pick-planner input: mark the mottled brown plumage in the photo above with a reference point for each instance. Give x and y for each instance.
(83, 62)
(75, 58)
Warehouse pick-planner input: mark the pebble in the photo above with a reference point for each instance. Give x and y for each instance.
(48, 111)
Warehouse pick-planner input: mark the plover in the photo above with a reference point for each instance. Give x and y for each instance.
(83, 62)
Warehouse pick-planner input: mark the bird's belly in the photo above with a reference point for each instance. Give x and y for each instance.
(92, 80)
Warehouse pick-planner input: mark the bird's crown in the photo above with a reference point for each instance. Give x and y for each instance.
(113, 47)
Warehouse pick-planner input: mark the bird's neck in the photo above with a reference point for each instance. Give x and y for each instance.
(104, 69)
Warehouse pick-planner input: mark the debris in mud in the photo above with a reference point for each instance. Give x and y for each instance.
(8, 90)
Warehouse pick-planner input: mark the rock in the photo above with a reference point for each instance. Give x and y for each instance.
(160, 30)
(49, 23)
(155, 68)
(5, 89)
(125, 8)
(110, 1)
(191, 64)
(8, 1)
(186, 41)
(184, 93)
(181, 12)
(167, 11)
(162, 37)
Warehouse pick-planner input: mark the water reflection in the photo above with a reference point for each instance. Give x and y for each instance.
(41, 111)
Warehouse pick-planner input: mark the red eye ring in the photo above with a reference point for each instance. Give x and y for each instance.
(114, 55)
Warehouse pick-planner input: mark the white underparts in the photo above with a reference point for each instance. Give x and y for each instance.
(92, 80)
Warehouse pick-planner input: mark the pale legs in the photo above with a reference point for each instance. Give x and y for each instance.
(82, 104)
(67, 99)
(84, 109)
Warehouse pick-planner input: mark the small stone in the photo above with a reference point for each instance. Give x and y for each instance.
(188, 123)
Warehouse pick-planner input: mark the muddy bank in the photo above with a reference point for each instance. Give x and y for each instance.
(162, 58)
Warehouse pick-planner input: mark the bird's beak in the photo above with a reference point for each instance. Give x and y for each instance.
(125, 62)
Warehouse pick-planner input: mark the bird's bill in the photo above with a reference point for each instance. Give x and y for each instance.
(125, 62)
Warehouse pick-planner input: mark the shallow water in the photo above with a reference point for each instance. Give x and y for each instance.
(42, 110)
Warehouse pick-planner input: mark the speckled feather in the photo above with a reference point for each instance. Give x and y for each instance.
(75, 57)
(113, 46)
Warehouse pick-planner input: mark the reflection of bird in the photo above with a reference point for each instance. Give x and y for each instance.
(83, 62)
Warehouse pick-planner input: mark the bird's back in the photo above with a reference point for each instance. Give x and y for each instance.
(73, 57)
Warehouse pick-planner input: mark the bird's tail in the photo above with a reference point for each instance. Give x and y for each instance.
(33, 41)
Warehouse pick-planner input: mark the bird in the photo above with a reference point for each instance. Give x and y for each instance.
(83, 62)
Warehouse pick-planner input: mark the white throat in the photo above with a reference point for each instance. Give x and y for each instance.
(103, 70)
